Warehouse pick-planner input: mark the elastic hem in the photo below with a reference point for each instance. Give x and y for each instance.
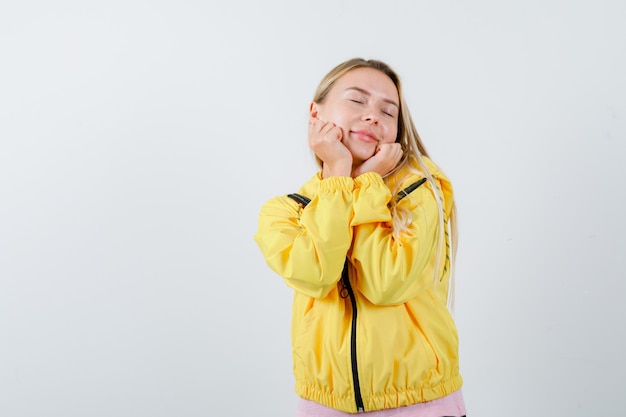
(336, 184)
(369, 178)
(380, 400)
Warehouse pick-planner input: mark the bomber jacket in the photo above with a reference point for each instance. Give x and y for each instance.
(382, 336)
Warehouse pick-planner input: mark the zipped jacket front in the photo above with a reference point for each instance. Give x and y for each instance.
(370, 326)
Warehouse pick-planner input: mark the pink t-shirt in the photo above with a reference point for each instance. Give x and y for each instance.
(450, 405)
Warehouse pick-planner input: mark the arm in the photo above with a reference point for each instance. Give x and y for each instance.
(391, 271)
(308, 247)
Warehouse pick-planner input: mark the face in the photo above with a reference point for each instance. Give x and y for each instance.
(364, 103)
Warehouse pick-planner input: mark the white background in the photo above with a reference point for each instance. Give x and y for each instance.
(138, 140)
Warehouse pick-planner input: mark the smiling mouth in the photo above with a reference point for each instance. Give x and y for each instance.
(365, 136)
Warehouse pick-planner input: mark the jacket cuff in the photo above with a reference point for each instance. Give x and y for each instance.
(336, 184)
(371, 196)
(369, 178)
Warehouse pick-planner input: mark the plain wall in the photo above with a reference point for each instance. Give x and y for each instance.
(139, 139)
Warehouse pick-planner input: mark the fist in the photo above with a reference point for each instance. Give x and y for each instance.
(383, 161)
(325, 141)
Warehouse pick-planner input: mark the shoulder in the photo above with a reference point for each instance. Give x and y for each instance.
(281, 203)
(410, 173)
(417, 171)
(443, 182)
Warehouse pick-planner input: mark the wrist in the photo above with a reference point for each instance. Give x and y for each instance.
(336, 170)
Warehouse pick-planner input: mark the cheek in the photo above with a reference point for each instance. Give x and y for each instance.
(332, 114)
(390, 134)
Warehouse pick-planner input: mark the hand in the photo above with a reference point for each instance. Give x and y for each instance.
(383, 161)
(325, 141)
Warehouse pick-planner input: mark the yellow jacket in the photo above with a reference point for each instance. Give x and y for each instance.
(384, 338)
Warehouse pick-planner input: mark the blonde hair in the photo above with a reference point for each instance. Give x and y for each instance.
(412, 150)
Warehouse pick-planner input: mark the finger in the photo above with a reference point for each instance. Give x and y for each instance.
(338, 132)
(317, 121)
(313, 125)
(331, 131)
(318, 127)
(328, 127)
(325, 128)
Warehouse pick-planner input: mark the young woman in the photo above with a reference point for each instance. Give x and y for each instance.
(368, 246)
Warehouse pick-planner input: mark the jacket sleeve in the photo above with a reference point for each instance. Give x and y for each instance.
(391, 271)
(308, 247)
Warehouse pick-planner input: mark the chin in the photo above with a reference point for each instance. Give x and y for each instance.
(360, 155)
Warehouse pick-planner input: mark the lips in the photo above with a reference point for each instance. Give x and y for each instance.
(365, 135)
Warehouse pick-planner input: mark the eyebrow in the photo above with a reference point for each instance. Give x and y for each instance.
(367, 93)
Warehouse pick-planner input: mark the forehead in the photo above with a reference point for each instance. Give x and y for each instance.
(370, 79)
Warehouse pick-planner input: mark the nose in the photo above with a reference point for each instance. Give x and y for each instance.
(370, 116)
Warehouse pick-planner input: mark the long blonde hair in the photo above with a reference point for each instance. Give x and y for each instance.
(412, 150)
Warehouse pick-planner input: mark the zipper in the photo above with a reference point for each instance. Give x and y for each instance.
(347, 291)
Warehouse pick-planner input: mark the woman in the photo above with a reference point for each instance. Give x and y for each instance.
(368, 246)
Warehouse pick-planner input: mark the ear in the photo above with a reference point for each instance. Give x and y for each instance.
(313, 111)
